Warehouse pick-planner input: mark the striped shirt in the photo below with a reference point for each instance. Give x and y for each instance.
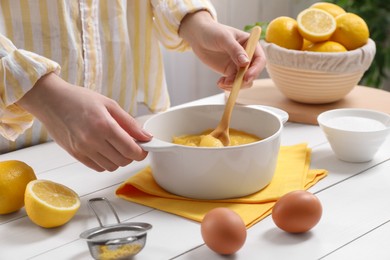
(110, 46)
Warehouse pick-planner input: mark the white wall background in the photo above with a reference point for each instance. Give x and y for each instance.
(189, 79)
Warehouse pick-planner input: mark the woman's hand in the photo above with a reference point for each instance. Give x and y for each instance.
(221, 47)
(91, 127)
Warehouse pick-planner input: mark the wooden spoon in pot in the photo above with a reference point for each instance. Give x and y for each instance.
(222, 130)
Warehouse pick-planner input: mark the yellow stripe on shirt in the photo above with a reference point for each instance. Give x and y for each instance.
(155, 92)
(124, 76)
(32, 138)
(45, 28)
(9, 29)
(8, 77)
(74, 37)
(136, 43)
(62, 25)
(27, 24)
(109, 48)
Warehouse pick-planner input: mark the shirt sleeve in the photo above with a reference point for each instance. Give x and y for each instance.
(19, 71)
(168, 15)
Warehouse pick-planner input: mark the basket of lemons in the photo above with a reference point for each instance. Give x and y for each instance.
(320, 56)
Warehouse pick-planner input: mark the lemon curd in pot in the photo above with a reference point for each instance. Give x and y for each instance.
(213, 173)
(204, 139)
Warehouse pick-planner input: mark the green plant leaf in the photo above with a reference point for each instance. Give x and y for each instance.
(263, 26)
(376, 13)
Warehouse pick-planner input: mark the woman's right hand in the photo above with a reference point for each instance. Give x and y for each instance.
(91, 127)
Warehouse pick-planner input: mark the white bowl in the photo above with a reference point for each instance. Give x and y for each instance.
(355, 135)
(316, 77)
(213, 173)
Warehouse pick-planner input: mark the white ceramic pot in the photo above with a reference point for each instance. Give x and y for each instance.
(214, 173)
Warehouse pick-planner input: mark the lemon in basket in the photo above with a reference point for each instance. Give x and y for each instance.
(331, 8)
(49, 204)
(283, 31)
(14, 177)
(351, 31)
(327, 46)
(316, 25)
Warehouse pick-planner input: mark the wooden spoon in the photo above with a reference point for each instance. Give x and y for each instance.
(222, 130)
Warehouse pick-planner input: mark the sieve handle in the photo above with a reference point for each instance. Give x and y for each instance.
(91, 204)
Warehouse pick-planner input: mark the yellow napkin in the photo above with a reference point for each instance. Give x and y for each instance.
(292, 173)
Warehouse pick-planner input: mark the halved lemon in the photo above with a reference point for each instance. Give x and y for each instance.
(49, 204)
(316, 25)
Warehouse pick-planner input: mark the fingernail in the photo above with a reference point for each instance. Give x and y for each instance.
(249, 79)
(228, 82)
(242, 58)
(220, 81)
(146, 133)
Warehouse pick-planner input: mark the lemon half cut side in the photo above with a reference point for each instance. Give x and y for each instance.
(49, 204)
(316, 25)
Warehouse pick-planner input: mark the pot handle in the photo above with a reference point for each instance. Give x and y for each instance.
(281, 114)
(156, 145)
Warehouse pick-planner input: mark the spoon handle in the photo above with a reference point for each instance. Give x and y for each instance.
(250, 50)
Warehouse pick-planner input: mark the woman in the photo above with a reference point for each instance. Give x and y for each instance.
(82, 67)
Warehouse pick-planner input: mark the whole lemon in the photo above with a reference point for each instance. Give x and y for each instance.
(283, 31)
(14, 177)
(306, 44)
(327, 46)
(351, 31)
(331, 8)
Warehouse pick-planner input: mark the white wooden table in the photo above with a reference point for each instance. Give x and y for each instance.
(355, 222)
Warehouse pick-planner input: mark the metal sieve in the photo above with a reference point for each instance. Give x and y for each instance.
(114, 241)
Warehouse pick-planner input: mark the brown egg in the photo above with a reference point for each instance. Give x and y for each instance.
(223, 231)
(297, 211)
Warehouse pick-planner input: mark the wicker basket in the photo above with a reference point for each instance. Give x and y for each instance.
(314, 77)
